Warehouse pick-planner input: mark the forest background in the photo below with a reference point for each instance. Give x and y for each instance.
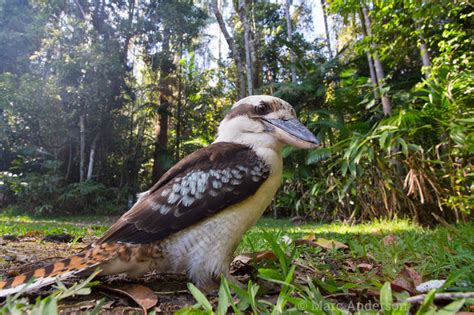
(99, 98)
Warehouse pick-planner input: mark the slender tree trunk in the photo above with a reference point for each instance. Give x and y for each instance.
(232, 47)
(326, 28)
(256, 64)
(373, 77)
(124, 53)
(69, 162)
(90, 169)
(290, 40)
(248, 57)
(219, 39)
(425, 57)
(179, 108)
(82, 136)
(161, 146)
(386, 103)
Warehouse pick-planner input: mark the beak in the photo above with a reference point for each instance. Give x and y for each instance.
(292, 132)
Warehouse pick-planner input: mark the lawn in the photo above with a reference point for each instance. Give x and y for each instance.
(312, 268)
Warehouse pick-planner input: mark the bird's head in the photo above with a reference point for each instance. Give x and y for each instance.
(268, 121)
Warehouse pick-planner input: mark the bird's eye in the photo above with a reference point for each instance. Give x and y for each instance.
(262, 108)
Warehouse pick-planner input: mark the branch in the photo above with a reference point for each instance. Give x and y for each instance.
(220, 21)
(441, 296)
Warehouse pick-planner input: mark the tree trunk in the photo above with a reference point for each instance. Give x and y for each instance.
(290, 40)
(248, 57)
(373, 77)
(425, 57)
(179, 108)
(218, 5)
(386, 103)
(326, 28)
(256, 64)
(90, 169)
(82, 136)
(69, 162)
(161, 145)
(129, 33)
(232, 47)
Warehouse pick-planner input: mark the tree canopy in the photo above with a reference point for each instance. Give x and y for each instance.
(99, 98)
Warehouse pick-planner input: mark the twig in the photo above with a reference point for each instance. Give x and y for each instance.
(336, 295)
(304, 266)
(170, 292)
(441, 296)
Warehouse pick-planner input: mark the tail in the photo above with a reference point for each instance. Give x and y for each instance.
(59, 270)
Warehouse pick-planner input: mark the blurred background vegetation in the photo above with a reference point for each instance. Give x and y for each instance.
(99, 98)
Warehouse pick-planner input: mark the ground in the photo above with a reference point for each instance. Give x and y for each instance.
(307, 267)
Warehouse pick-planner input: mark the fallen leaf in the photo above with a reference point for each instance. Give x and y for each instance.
(364, 267)
(389, 240)
(243, 259)
(58, 238)
(321, 242)
(266, 255)
(34, 233)
(247, 258)
(243, 263)
(10, 237)
(143, 296)
(406, 280)
(414, 275)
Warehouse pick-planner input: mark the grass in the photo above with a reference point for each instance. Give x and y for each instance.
(77, 226)
(437, 253)
(434, 253)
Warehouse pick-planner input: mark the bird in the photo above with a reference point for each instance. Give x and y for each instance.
(192, 219)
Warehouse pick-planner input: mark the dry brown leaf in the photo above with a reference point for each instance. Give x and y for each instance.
(242, 264)
(406, 280)
(247, 258)
(321, 242)
(243, 259)
(143, 296)
(389, 240)
(414, 275)
(266, 255)
(364, 267)
(34, 233)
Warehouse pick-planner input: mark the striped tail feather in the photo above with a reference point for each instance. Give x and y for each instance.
(60, 270)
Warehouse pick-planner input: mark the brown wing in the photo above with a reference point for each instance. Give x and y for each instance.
(203, 183)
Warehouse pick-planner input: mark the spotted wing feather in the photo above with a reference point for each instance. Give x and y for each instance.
(202, 184)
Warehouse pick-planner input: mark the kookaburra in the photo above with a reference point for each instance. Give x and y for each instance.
(193, 218)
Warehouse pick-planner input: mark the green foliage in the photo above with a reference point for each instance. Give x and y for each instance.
(15, 304)
(127, 69)
(415, 163)
(308, 296)
(43, 192)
